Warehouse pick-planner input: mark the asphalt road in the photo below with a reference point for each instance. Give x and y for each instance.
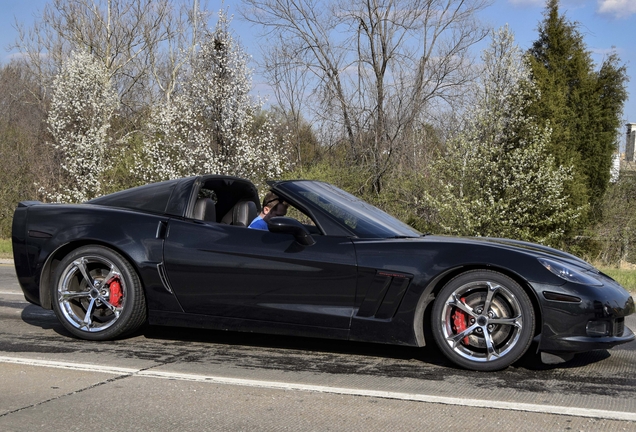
(170, 378)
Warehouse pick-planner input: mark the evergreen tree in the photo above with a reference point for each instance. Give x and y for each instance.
(583, 107)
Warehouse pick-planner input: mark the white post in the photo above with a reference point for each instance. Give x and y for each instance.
(631, 142)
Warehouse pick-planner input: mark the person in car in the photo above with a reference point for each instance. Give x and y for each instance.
(272, 206)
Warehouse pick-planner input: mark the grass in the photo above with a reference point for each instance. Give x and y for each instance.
(625, 277)
(6, 251)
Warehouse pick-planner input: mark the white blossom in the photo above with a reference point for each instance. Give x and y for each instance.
(208, 127)
(82, 104)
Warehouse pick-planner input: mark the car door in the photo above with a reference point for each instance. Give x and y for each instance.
(223, 270)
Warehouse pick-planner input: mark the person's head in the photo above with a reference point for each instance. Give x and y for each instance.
(273, 206)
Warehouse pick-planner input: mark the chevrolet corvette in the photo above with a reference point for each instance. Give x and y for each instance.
(179, 253)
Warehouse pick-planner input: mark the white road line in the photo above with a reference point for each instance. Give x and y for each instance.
(11, 293)
(278, 385)
(68, 365)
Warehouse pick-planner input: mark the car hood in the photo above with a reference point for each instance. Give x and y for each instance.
(522, 247)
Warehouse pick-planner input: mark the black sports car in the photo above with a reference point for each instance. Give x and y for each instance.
(179, 253)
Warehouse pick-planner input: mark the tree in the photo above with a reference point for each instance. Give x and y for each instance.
(616, 232)
(24, 158)
(82, 105)
(582, 106)
(496, 177)
(141, 43)
(209, 126)
(373, 69)
(289, 84)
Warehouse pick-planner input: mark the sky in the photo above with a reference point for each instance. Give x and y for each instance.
(605, 24)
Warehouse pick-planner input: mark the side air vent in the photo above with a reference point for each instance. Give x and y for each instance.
(384, 295)
(164, 277)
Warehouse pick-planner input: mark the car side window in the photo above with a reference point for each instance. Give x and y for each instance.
(303, 218)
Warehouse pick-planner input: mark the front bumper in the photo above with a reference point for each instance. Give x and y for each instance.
(596, 321)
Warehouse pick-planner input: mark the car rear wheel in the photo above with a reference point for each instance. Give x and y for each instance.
(483, 320)
(97, 294)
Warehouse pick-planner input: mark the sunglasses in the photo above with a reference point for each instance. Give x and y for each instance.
(276, 199)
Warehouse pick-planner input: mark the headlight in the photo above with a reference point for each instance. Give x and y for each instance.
(569, 273)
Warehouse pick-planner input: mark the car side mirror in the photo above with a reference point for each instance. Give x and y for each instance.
(287, 225)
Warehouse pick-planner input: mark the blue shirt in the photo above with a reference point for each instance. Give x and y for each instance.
(259, 223)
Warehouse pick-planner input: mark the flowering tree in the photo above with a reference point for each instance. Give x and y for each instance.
(497, 178)
(209, 127)
(82, 104)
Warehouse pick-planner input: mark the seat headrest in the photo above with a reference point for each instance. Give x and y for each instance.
(205, 210)
(242, 214)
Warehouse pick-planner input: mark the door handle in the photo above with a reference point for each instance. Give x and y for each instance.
(162, 228)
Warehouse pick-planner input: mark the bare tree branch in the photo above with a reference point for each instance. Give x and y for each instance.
(373, 67)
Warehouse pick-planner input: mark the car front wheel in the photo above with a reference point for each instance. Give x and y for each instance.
(97, 294)
(483, 320)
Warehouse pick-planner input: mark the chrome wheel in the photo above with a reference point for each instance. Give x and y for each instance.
(483, 320)
(97, 294)
(91, 293)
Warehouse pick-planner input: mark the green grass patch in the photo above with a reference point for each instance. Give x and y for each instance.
(625, 277)
(6, 250)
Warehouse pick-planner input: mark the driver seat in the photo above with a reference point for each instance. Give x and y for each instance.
(242, 214)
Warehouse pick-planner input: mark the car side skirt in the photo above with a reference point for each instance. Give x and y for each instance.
(178, 319)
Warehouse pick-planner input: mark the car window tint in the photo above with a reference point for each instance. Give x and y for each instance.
(364, 219)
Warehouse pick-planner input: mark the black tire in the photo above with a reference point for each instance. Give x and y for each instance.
(478, 336)
(96, 294)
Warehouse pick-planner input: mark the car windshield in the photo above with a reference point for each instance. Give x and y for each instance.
(365, 220)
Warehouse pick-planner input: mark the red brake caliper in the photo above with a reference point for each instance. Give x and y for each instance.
(460, 320)
(115, 293)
